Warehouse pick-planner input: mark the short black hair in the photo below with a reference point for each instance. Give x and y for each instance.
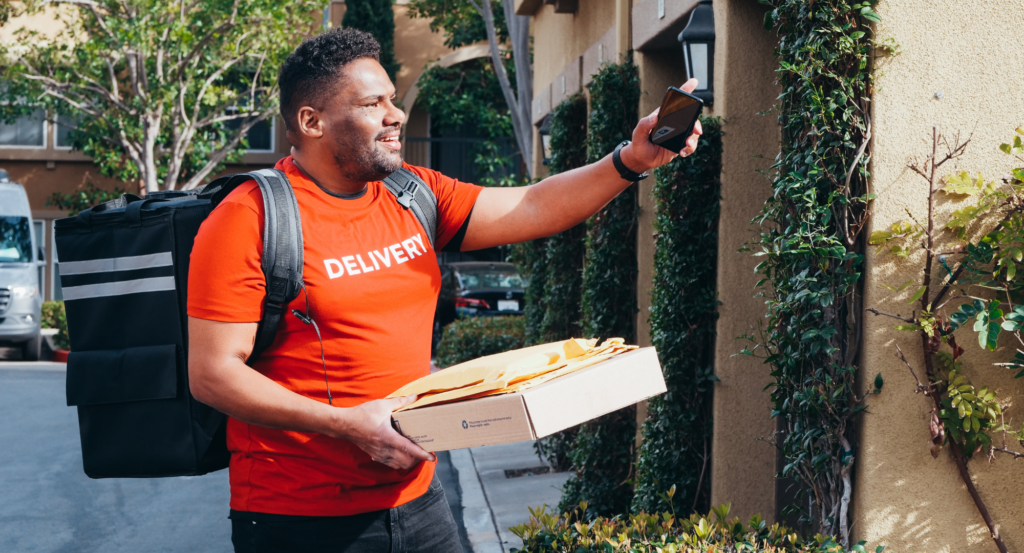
(312, 70)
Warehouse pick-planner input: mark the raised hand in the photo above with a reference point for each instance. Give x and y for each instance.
(642, 155)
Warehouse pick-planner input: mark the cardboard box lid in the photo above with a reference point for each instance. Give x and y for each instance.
(556, 405)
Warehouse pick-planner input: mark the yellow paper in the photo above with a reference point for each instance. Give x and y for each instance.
(509, 372)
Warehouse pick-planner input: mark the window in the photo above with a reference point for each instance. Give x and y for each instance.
(28, 131)
(260, 135)
(65, 123)
(40, 232)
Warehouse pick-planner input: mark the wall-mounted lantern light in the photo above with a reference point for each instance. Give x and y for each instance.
(698, 40)
(545, 138)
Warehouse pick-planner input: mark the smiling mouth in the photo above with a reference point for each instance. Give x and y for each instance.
(391, 143)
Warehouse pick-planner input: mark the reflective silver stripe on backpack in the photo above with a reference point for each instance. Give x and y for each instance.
(157, 284)
(113, 264)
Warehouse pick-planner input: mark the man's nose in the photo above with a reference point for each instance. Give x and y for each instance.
(394, 116)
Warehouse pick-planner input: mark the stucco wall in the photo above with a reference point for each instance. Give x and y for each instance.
(973, 54)
(559, 38)
(743, 468)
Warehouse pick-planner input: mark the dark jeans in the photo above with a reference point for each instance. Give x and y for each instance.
(424, 525)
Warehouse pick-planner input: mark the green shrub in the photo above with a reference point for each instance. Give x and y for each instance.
(530, 259)
(604, 448)
(563, 259)
(53, 316)
(664, 533)
(676, 446)
(565, 251)
(467, 339)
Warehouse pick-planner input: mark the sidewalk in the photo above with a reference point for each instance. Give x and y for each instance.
(492, 501)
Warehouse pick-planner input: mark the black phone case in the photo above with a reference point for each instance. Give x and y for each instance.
(678, 142)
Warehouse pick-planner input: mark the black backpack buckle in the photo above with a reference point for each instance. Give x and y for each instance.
(406, 195)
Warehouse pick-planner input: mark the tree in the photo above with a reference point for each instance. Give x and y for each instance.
(376, 17)
(162, 92)
(461, 22)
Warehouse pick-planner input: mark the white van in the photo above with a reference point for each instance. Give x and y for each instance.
(20, 296)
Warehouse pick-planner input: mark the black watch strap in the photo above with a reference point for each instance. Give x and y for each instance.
(624, 171)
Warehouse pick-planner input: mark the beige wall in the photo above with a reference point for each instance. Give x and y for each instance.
(973, 54)
(559, 39)
(743, 468)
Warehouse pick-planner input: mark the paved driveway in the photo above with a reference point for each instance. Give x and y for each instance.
(47, 504)
(50, 505)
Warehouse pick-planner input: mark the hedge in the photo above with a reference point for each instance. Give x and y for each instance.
(603, 451)
(466, 339)
(53, 316)
(664, 532)
(676, 446)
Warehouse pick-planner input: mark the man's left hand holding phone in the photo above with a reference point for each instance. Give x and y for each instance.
(642, 154)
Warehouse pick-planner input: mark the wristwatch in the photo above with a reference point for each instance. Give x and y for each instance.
(624, 171)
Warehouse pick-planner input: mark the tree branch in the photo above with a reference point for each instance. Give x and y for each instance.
(1015, 454)
(897, 316)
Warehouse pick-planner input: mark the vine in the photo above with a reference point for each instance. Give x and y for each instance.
(604, 449)
(565, 250)
(676, 447)
(974, 256)
(812, 244)
(563, 256)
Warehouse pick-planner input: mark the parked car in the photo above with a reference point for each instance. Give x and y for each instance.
(477, 289)
(20, 296)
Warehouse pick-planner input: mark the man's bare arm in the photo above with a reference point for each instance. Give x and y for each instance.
(219, 377)
(510, 215)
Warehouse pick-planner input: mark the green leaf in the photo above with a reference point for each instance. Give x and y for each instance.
(1010, 326)
(911, 328)
(769, 20)
(880, 237)
(878, 381)
(870, 15)
(917, 295)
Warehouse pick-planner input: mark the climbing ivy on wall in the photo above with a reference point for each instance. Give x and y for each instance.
(676, 446)
(812, 248)
(563, 254)
(565, 250)
(603, 451)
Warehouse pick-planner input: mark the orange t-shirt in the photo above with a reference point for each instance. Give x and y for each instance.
(372, 279)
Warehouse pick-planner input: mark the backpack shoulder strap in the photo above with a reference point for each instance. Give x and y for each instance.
(412, 193)
(282, 245)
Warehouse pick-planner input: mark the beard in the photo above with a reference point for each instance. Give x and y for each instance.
(365, 162)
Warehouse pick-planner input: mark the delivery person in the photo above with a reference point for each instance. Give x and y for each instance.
(306, 474)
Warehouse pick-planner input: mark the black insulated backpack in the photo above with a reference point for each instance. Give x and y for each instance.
(124, 276)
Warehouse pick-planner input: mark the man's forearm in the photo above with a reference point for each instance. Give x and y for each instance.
(559, 202)
(219, 377)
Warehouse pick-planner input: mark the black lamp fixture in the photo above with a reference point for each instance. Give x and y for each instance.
(545, 139)
(698, 40)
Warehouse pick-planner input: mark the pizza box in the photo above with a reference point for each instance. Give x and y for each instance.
(536, 412)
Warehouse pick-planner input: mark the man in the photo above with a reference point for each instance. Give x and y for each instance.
(315, 463)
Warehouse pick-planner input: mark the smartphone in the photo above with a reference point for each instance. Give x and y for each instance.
(679, 112)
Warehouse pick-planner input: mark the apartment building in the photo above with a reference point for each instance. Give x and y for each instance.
(953, 70)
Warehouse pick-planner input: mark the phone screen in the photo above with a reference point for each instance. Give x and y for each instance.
(679, 111)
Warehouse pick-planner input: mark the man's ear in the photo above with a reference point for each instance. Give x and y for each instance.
(309, 123)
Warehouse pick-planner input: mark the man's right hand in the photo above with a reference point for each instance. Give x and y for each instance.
(219, 377)
(369, 427)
